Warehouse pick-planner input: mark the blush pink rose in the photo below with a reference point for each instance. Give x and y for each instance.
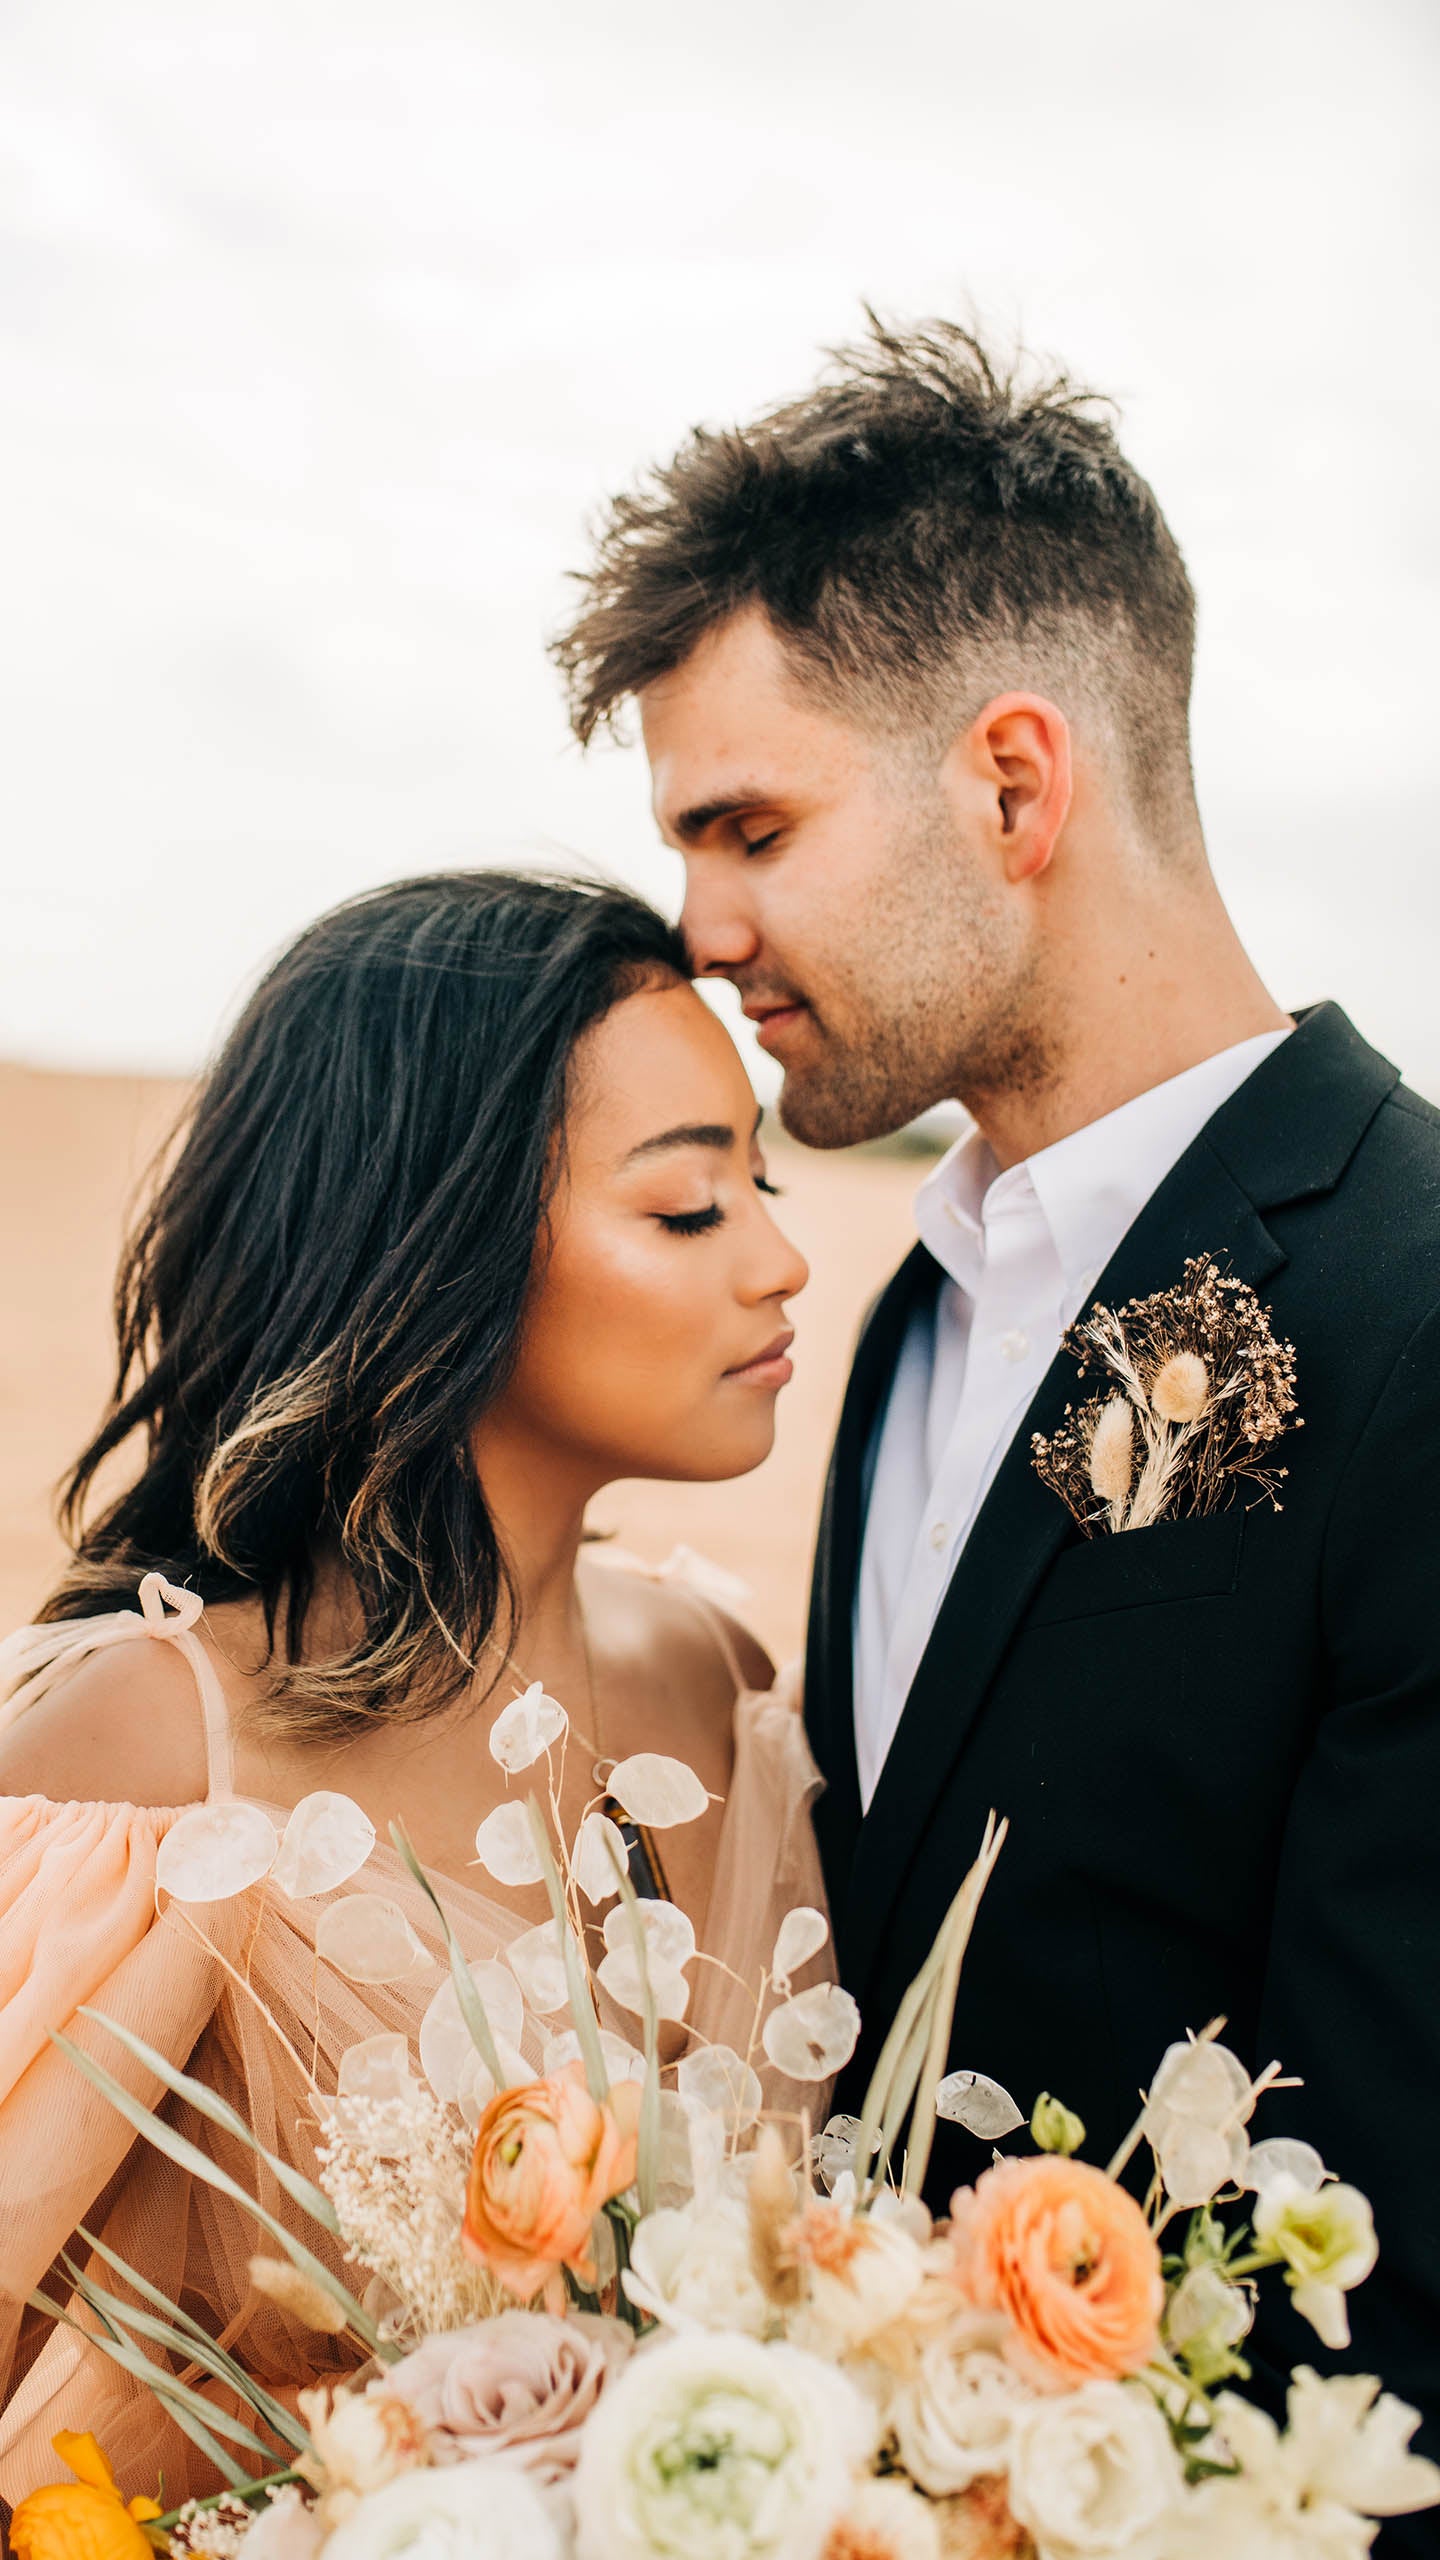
(522, 2383)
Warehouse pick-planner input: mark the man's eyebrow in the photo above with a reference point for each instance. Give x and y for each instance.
(694, 823)
(715, 1134)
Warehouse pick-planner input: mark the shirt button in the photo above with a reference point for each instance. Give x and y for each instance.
(1014, 1345)
(939, 1533)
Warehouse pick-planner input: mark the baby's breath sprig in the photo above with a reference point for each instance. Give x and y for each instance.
(394, 2169)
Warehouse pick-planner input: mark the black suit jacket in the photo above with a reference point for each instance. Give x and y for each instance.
(1217, 1739)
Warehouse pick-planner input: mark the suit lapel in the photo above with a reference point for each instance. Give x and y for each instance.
(829, 1675)
(1199, 1208)
(1287, 1134)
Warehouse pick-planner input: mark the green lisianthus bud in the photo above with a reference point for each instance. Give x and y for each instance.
(1054, 2128)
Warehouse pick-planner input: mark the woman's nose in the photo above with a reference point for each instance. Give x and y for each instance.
(782, 1270)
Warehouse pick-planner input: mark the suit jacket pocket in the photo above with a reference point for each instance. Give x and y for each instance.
(1172, 1560)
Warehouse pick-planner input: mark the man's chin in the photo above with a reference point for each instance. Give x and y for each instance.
(820, 1117)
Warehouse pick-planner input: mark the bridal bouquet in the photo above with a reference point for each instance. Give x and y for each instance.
(617, 2309)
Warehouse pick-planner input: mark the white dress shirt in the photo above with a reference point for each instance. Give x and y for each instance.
(1022, 1251)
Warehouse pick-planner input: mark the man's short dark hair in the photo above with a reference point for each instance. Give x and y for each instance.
(924, 529)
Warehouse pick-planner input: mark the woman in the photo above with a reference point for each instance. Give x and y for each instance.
(467, 1224)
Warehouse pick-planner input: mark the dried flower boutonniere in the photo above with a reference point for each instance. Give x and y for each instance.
(1203, 1390)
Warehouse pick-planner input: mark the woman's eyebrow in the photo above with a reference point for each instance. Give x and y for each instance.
(694, 1133)
(715, 1134)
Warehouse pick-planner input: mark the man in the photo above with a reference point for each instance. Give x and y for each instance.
(913, 660)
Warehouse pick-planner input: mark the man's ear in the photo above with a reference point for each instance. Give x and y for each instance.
(1016, 759)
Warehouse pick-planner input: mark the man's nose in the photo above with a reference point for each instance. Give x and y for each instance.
(719, 933)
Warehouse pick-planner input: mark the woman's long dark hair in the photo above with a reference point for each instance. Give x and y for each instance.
(327, 1288)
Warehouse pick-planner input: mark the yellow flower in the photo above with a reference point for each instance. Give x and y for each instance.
(86, 2519)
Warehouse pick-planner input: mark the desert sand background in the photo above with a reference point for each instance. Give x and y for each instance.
(73, 1152)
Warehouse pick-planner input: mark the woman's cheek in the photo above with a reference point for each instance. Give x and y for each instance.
(648, 1319)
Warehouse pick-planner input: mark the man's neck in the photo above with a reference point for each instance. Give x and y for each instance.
(1130, 1020)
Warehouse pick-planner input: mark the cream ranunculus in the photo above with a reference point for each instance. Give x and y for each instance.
(1093, 2471)
(952, 2416)
(1326, 2238)
(713, 2447)
(484, 2510)
(690, 2269)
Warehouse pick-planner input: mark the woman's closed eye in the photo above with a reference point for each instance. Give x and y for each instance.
(690, 1222)
(698, 1222)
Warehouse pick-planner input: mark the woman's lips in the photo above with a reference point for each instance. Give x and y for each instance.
(770, 1367)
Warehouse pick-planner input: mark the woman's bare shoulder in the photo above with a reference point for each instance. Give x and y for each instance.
(123, 1727)
(667, 1624)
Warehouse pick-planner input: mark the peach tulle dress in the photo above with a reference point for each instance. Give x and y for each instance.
(80, 1927)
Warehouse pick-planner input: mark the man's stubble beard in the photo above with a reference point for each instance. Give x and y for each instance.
(945, 1003)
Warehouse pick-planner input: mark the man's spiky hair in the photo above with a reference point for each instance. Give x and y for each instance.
(926, 527)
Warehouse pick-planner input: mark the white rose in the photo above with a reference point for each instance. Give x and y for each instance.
(708, 2447)
(484, 2510)
(1326, 2238)
(1092, 2470)
(690, 2269)
(952, 2417)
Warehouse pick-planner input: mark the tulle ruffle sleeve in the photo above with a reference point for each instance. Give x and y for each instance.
(78, 1928)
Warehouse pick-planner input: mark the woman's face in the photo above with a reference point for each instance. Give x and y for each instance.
(655, 1341)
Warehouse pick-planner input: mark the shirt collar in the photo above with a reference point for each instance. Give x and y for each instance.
(1090, 1187)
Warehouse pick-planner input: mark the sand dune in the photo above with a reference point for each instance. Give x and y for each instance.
(73, 1150)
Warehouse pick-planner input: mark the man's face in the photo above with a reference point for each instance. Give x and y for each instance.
(829, 878)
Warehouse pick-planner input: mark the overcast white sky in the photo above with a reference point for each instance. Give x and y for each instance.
(325, 323)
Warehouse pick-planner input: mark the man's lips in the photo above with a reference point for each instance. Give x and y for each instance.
(771, 1020)
(770, 1367)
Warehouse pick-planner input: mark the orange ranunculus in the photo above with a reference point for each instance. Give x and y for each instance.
(1070, 2257)
(547, 2157)
(85, 2518)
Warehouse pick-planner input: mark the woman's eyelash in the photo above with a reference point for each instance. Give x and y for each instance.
(698, 1222)
(691, 1222)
